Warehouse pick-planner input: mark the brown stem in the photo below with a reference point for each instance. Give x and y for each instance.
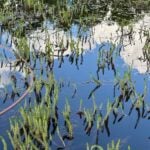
(24, 94)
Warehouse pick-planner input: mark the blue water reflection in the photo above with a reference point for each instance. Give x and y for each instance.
(78, 76)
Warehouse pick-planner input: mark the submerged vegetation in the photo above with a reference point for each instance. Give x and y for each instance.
(39, 35)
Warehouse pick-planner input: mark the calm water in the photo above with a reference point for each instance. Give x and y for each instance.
(76, 74)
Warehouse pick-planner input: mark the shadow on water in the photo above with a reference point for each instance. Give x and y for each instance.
(90, 64)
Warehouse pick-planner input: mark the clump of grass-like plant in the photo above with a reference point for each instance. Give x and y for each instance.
(32, 129)
(110, 146)
(68, 124)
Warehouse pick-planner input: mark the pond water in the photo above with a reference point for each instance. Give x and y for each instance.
(100, 61)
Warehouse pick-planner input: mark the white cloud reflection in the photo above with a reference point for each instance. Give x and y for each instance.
(104, 32)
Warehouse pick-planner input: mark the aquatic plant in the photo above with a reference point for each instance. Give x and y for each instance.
(4, 143)
(32, 128)
(146, 49)
(106, 59)
(68, 124)
(114, 146)
(23, 50)
(111, 146)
